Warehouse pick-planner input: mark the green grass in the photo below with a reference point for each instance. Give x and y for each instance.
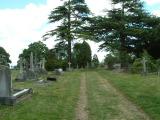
(58, 100)
(142, 90)
(102, 104)
(55, 101)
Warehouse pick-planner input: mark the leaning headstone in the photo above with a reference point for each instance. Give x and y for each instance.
(8, 95)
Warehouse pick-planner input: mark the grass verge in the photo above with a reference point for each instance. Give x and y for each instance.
(142, 90)
(55, 101)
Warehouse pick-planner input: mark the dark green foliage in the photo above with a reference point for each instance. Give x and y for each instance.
(61, 50)
(128, 29)
(39, 50)
(153, 46)
(4, 56)
(110, 60)
(72, 15)
(137, 66)
(81, 54)
(53, 62)
(158, 64)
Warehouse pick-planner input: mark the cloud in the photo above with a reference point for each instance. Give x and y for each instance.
(20, 27)
(152, 2)
(97, 7)
(156, 12)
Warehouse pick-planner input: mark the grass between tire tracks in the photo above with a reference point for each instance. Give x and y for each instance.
(106, 103)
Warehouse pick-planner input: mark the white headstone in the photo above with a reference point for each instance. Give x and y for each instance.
(43, 63)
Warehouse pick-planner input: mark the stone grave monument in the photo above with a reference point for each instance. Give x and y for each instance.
(25, 72)
(31, 75)
(8, 95)
(22, 76)
(144, 72)
(42, 66)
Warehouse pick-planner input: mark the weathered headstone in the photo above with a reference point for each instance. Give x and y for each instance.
(8, 95)
(59, 71)
(41, 68)
(69, 65)
(117, 66)
(21, 65)
(22, 76)
(77, 66)
(43, 63)
(31, 62)
(144, 66)
(5, 82)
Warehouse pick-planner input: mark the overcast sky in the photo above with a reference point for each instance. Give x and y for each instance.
(25, 21)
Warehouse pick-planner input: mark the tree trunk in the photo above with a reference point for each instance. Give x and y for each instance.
(123, 52)
(69, 32)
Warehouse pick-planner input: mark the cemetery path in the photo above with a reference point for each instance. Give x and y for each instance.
(128, 110)
(81, 110)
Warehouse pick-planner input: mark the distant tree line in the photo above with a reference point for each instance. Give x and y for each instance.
(127, 29)
(57, 56)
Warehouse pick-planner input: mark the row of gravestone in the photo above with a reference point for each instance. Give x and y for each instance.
(9, 95)
(34, 70)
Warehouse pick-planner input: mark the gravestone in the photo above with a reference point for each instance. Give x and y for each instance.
(31, 75)
(5, 82)
(27, 73)
(31, 62)
(41, 68)
(8, 95)
(43, 63)
(117, 66)
(22, 76)
(59, 71)
(144, 66)
(69, 65)
(77, 66)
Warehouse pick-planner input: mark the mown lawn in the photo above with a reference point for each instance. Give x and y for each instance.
(142, 90)
(54, 101)
(58, 100)
(102, 104)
